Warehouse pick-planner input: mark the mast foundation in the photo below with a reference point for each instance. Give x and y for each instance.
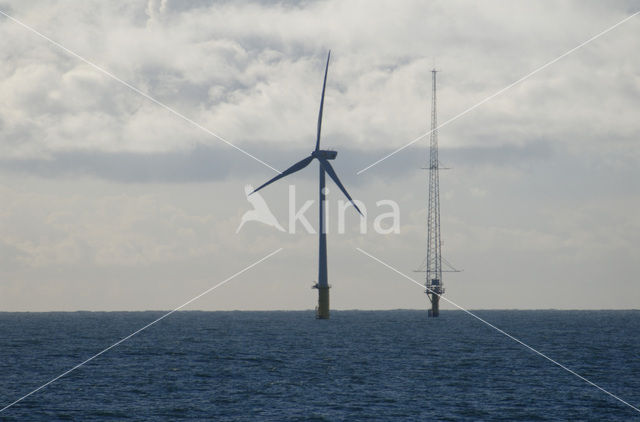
(434, 298)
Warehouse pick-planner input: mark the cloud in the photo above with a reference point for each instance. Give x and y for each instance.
(99, 183)
(205, 163)
(252, 73)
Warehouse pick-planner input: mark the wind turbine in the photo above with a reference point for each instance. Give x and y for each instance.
(323, 157)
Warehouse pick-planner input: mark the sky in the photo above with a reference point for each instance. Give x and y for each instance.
(110, 201)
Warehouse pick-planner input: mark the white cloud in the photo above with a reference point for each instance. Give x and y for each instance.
(252, 72)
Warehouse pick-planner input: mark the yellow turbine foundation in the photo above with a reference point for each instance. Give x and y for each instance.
(322, 311)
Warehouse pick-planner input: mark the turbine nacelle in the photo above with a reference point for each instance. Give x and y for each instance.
(324, 154)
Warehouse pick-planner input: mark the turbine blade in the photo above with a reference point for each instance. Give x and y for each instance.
(324, 84)
(327, 167)
(296, 167)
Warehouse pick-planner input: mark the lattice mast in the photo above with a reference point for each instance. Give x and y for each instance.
(434, 286)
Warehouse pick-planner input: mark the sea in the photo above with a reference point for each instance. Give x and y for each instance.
(394, 365)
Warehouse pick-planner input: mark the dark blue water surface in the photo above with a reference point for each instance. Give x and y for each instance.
(360, 365)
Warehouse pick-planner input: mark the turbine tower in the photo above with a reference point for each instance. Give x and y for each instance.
(323, 157)
(434, 286)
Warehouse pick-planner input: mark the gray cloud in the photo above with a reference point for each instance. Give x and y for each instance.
(208, 163)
